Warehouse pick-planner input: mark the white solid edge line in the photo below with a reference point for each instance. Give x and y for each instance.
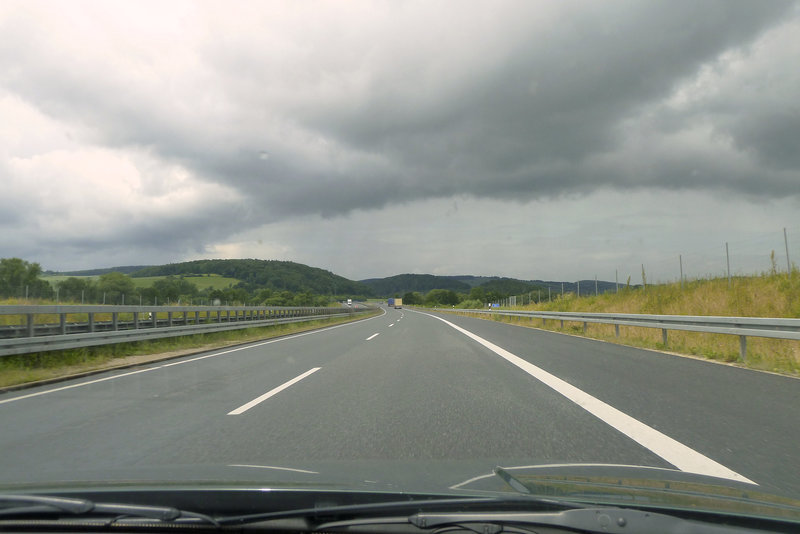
(213, 355)
(673, 451)
(258, 400)
(373, 336)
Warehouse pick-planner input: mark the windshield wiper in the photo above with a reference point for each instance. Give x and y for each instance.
(37, 505)
(595, 520)
(376, 513)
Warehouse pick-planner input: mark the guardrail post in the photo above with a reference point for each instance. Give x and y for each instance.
(136, 320)
(114, 318)
(664, 336)
(743, 347)
(91, 321)
(544, 321)
(62, 322)
(29, 326)
(616, 330)
(155, 319)
(169, 318)
(562, 323)
(584, 327)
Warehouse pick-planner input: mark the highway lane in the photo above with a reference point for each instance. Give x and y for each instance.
(403, 390)
(747, 420)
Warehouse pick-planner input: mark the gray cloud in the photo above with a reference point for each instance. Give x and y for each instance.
(302, 111)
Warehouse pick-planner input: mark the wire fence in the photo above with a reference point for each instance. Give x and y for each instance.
(770, 253)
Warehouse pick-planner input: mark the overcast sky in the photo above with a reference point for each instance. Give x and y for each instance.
(539, 140)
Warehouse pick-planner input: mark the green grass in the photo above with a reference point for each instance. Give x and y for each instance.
(766, 295)
(24, 368)
(213, 281)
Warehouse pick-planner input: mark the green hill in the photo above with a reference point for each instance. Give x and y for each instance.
(406, 283)
(509, 286)
(258, 274)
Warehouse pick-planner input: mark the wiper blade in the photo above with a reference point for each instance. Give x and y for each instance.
(376, 513)
(593, 520)
(375, 507)
(37, 505)
(512, 481)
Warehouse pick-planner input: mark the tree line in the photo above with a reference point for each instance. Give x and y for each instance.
(266, 283)
(22, 279)
(478, 297)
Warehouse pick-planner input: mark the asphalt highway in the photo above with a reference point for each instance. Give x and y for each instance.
(407, 397)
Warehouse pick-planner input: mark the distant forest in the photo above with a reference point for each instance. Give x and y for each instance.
(260, 282)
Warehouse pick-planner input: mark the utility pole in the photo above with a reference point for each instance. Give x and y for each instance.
(680, 260)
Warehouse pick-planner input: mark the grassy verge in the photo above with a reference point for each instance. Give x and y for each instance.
(25, 368)
(767, 295)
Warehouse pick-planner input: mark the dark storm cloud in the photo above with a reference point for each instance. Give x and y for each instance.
(324, 108)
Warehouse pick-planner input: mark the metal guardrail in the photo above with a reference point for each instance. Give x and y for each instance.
(737, 326)
(146, 322)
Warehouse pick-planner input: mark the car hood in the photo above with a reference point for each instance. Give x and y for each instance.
(600, 484)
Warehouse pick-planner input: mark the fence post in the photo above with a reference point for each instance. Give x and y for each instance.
(786, 244)
(728, 260)
(680, 261)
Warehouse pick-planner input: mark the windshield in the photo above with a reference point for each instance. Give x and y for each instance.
(314, 245)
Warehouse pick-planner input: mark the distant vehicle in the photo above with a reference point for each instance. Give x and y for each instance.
(390, 302)
(398, 303)
(349, 302)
